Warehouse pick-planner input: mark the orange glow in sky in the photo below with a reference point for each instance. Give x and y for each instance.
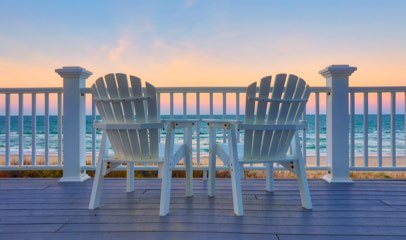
(202, 43)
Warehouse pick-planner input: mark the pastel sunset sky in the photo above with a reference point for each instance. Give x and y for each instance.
(202, 43)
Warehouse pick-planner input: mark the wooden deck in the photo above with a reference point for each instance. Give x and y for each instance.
(46, 209)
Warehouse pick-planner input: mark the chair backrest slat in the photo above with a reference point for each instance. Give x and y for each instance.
(287, 135)
(113, 135)
(288, 94)
(282, 115)
(249, 118)
(129, 114)
(300, 87)
(152, 117)
(302, 105)
(140, 116)
(113, 93)
(273, 109)
(112, 89)
(264, 88)
(298, 115)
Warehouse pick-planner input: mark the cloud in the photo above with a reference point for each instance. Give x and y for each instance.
(189, 3)
(116, 52)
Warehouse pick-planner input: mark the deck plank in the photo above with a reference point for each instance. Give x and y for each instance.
(46, 209)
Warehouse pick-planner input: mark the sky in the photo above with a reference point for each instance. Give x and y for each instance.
(202, 43)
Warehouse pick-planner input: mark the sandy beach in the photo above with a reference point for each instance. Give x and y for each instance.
(311, 162)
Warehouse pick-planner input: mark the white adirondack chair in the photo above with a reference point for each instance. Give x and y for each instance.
(270, 129)
(130, 121)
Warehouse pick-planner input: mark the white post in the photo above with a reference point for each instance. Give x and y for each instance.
(74, 123)
(337, 122)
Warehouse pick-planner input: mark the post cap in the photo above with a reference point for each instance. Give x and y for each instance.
(337, 71)
(73, 72)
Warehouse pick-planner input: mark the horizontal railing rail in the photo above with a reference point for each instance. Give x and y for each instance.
(30, 90)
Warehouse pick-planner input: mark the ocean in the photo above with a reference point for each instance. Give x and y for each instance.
(310, 134)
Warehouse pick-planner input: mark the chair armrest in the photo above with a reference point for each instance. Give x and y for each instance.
(303, 123)
(221, 123)
(183, 123)
(128, 126)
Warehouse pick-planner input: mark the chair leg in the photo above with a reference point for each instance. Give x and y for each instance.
(236, 188)
(188, 162)
(167, 172)
(166, 189)
(212, 163)
(101, 168)
(303, 186)
(130, 177)
(97, 185)
(235, 173)
(270, 182)
(301, 177)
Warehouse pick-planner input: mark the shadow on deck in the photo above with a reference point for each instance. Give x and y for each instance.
(46, 209)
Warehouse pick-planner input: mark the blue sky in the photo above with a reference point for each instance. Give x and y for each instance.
(198, 43)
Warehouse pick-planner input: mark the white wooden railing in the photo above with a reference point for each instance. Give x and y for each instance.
(33, 93)
(232, 99)
(236, 101)
(380, 165)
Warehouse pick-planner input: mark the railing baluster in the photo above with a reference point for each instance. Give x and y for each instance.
(366, 129)
(317, 127)
(404, 129)
(46, 129)
(93, 133)
(20, 129)
(159, 103)
(211, 105)
(171, 103)
(8, 129)
(304, 142)
(352, 129)
(33, 129)
(211, 116)
(393, 128)
(224, 113)
(184, 105)
(198, 128)
(379, 128)
(237, 112)
(59, 129)
(159, 114)
(184, 110)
